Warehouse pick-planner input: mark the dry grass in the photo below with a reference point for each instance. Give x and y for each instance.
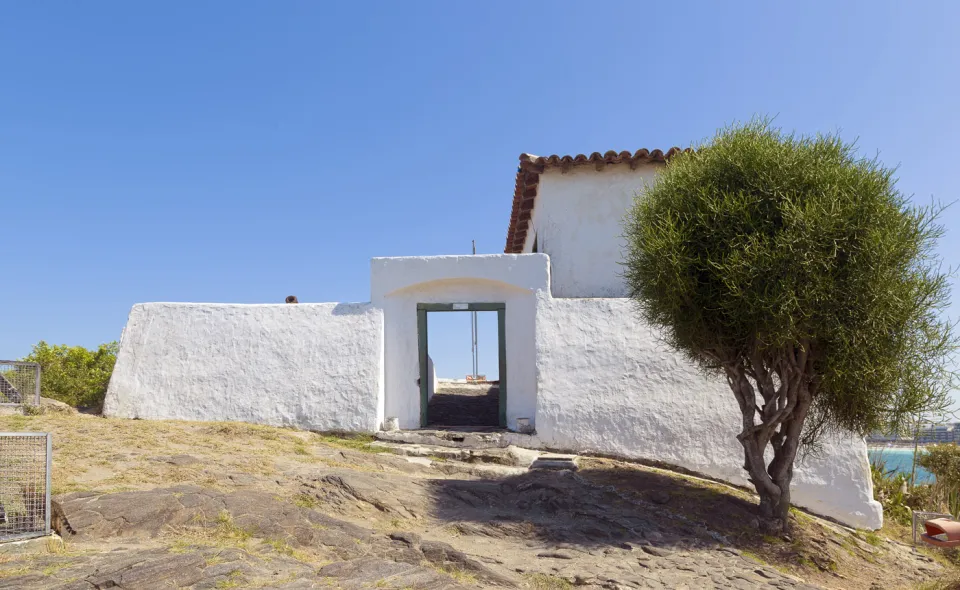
(356, 442)
(949, 583)
(460, 575)
(111, 455)
(57, 557)
(221, 533)
(545, 582)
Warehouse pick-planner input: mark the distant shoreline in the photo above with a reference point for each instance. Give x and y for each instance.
(895, 445)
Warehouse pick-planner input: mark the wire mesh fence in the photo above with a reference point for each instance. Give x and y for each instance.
(19, 383)
(25, 460)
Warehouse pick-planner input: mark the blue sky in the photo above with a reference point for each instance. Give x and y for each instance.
(243, 151)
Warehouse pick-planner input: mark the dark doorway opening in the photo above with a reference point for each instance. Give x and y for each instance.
(474, 402)
(457, 405)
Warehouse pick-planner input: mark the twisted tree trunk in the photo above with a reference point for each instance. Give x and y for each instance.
(775, 391)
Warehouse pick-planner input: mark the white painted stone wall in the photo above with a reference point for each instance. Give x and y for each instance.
(578, 221)
(399, 284)
(432, 383)
(584, 370)
(315, 366)
(607, 385)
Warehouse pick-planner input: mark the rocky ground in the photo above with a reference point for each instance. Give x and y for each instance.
(216, 505)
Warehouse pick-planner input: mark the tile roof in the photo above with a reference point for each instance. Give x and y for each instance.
(528, 182)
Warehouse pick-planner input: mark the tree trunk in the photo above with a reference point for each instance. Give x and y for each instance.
(773, 486)
(784, 409)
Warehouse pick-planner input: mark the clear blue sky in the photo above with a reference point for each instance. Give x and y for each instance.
(243, 151)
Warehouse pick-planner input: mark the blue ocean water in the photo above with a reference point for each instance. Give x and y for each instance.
(901, 461)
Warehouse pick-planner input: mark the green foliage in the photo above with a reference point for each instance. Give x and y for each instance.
(894, 493)
(761, 244)
(898, 498)
(74, 374)
(943, 461)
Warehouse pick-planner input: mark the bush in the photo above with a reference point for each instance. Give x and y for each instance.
(73, 374)
(943, 461)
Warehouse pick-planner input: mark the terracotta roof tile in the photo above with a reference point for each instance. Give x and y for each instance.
(528, 182)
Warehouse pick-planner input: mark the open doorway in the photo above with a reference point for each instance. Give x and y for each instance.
(460, 390)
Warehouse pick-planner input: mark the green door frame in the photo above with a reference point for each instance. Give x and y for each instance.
(501, 309)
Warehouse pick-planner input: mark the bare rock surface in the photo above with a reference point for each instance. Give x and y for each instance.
(52, 405)
(551, 524)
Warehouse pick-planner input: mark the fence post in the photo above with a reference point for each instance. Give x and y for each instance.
(46, 529)
(36, 385)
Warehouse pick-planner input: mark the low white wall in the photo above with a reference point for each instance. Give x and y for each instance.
(607, 385)
(399, 284)
(315, 366)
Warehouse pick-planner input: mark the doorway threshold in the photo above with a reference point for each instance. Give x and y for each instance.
(493, 439)
(467, 428)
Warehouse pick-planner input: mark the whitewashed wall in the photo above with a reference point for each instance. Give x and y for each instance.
(607, 385)
(315, 366)
(399, 284)
(584, 370)
(578, 222)
(432, 382)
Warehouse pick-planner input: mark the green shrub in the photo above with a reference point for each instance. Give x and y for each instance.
(891, 490)
(73, 374)
(943, 461)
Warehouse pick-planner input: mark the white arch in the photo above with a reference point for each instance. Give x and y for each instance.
(399, 284)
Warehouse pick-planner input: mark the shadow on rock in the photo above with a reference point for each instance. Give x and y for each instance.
(597, 507)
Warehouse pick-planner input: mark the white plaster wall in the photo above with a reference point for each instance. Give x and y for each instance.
(578, 220)
(432, 376)
(399, 284)
(315, 366)
(607, 385)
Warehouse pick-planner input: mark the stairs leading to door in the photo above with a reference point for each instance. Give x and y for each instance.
(8, 393)
(493, 450)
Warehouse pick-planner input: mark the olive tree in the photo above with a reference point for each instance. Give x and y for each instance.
(798, 272)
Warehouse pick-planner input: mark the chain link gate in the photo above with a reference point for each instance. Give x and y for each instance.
(19, 383)
(25, 462)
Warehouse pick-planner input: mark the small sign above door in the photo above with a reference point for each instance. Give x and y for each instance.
(461, 306)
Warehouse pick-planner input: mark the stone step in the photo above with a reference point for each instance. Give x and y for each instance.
(555, 461)
(483, 470)
(446, 438)
(512, 456)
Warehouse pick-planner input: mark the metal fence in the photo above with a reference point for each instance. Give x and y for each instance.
(19, 383)
(25, 460)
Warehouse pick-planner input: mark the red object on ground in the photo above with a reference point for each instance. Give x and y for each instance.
(942, 532)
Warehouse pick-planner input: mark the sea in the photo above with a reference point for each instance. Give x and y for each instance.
(900, 460)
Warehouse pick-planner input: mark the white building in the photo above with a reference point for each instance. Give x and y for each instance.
(575, 361)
